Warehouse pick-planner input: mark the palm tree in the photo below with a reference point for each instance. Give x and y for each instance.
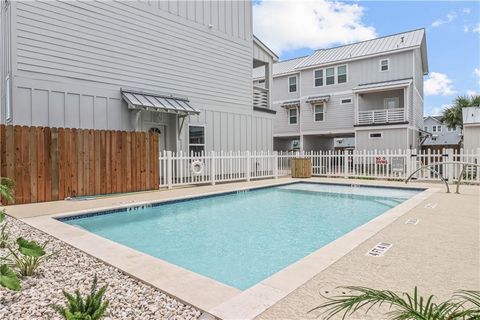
(464, 305)
(6, 189)
(452, 116)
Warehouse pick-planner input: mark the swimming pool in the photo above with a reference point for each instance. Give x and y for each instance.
(241, 238)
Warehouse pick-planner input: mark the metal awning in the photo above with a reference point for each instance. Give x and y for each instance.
(384, 85)
(316, 99)
(160, 103)
(290, 104)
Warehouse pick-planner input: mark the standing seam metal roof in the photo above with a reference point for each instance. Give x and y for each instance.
(404, 40)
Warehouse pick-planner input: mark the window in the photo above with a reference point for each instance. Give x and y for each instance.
(330, 74)
(375, 135)
(436, 128)
(345, 101)
(451, 129)
(391, 103)
(292, 116)
(318, 78)
(292, 84)
(261, 81)
(425, 128)
(319, 112)
(342, 74)
(196, 139)
(8, 104)
(384, 64)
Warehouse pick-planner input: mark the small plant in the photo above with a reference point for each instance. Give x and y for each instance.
(6, 189)
(8, 278)
(4, 236)
(464, 305)
(91, 308)
(28, 256)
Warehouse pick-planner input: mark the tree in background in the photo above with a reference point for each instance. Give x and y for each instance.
(452, 116)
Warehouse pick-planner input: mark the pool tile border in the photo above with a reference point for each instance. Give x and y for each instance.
(221, 301)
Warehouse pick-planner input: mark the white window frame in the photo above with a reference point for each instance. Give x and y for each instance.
(349, 102)
(323, 78)
(204, 137)
(396, 99)
(296, 84)
(439, 128)
(346, 74)
(451, 129)
(425, 128)
(290, 116)
(334, 76)
(315, 112)
(388, 64)
(8, 98)
(373, 138)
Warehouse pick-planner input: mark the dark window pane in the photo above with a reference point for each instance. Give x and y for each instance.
(196, 135)
(342, 78)
(293, 120)
(330, 80)
(318, 82)
(196, 149)
(319, 116)
(293, 87)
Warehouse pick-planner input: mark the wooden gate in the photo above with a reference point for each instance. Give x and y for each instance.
(54, 163)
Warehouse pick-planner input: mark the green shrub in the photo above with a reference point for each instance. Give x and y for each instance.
(8, 278)
(77, 308)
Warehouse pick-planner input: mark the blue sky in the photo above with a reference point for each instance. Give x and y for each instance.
(453, 35)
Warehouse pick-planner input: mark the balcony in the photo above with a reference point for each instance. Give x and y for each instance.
(260, 98)
(379, 116)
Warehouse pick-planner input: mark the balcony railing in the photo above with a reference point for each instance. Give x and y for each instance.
(381, 116)
(260, 98)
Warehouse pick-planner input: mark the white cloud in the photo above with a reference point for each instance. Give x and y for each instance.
(476, 72)
(450, 17)
(438, 84)
(466, 28)
(436, 111)
(290, 25)
(466, 10)
(472, 93)
(476, 28)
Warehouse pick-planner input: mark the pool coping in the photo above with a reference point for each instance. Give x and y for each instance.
(211, 296)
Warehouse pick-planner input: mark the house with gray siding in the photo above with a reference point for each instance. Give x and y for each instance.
(440, 136)
(179, 68)
(471, 129)
(365, 95)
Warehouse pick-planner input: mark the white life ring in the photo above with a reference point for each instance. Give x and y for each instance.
(197, 167)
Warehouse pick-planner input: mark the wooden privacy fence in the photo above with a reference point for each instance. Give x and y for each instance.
(54, 163)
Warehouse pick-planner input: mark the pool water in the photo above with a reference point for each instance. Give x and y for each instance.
(242, 238)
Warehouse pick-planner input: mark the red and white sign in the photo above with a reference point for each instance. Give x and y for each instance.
(381, 160)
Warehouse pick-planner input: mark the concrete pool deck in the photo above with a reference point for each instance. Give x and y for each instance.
(439, 254)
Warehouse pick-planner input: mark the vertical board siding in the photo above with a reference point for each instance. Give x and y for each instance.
(51, 164)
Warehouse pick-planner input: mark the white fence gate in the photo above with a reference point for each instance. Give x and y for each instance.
(177, 169)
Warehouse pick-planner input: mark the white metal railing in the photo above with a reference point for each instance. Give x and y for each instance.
(176, 169)
(260, 97)
(381, 116)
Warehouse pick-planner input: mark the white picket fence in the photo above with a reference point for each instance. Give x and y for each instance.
(216, 167)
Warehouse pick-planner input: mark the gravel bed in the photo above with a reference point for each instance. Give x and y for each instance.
(72, 269)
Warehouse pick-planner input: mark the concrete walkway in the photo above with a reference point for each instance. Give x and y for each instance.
(440, 255)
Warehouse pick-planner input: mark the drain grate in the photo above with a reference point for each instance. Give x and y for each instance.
(379, 250)
(412, 221)
(431, 205)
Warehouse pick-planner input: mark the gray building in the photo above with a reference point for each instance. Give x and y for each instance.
(366, 95)
(440, 136)
(180, 68)
(471, 128)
